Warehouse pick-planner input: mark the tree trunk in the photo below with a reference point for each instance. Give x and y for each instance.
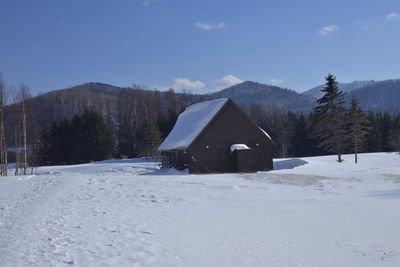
(3, 144)
(339, 157)
(24, 130)
(355, 151)
(16, 143)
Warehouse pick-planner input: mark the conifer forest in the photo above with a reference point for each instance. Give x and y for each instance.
(80, 125)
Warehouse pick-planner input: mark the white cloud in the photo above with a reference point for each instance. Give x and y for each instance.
(199, 87)
(226, 81)
(180, 84)
(209, 26)
(276, 81)
(183, 83)
(328, 29)
(146, 3)
(365, 27)
(392, 15)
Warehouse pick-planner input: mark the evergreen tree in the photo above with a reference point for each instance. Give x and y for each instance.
(163, 125)
(93, 139)
(149, 139)
(172, 118)
(386, 128)
(330, 118)
(357, 127)
(59, 143)
(43, 149)
(374, 137)
(83, 139)
(395, 136)
(302, 142)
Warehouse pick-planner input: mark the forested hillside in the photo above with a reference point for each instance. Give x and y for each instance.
(248, 93)
(315, 92)
(381, 96)
(139, 119)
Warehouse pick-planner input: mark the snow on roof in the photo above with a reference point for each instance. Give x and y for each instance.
(239, 147)
(190, 123)
(265, 133)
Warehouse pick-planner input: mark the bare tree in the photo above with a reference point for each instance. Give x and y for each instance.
(25, 98)
(3, 144)
(17, 127)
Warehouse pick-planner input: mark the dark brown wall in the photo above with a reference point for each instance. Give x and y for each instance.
(230, 126)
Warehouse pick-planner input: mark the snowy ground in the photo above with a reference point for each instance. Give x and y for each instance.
(307, 212)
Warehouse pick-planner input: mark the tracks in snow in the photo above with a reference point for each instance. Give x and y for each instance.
(72, 219)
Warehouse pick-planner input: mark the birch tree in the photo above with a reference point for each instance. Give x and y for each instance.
(25, 97)
(3, 144)
(17, 127)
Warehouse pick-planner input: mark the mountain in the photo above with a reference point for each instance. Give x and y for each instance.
(57, 104)
(249, 92)
(381, 96)
(344, 87)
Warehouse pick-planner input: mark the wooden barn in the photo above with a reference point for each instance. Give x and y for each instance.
(216, 136)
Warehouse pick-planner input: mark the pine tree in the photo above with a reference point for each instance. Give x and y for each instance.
(386, 131)
(43, 150)
(374, 137)
(395, 136)
(357, 126)
(163, 125)
(149, 139)
(330, 118)
(83, 139)
(302, 143)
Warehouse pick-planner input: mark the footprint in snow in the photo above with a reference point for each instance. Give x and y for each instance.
(145, 232)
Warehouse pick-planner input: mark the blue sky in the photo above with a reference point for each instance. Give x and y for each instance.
(201, 46)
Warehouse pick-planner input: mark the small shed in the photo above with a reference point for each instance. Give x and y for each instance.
(216, 136)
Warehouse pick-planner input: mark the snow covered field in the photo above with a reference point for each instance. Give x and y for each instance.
(307, 212)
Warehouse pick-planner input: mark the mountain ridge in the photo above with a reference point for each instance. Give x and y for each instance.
(249, 92)
(344, 87)
(376, 96)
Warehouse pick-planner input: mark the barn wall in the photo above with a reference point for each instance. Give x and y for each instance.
(210, 152)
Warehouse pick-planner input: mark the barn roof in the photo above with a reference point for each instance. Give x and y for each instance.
(191, 123)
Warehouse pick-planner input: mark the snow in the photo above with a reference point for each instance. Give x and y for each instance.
(191, 122)
(307, 212)
(264, 132)
(239, 147)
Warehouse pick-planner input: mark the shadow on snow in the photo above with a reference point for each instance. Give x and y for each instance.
(288, 164)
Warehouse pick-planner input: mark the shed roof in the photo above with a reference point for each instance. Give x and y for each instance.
(191, 123)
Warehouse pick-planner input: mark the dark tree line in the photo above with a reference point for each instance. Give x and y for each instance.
(82, 139)
(142, 119)
(294, 134)
(330, 128)
(81, 125)
(145, 118)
